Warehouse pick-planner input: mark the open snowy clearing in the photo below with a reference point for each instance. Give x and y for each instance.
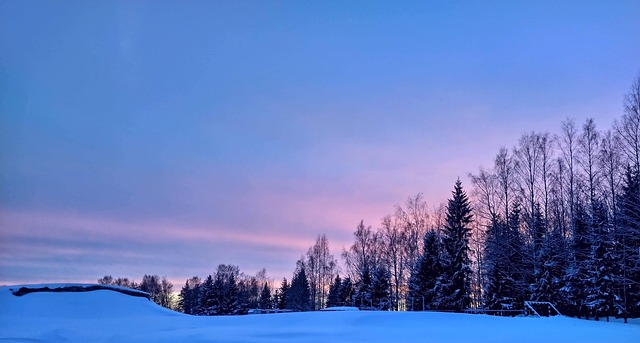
(108, 316)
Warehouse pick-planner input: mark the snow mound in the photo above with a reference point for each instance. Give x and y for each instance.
(108, 315)
(76, 301)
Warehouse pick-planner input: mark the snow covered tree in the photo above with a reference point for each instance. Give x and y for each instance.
(499, 289)
(518, 268)
(364, 288)
(208, 302)
(600, 293)
(456, 287)
(578, 270)
(424, 282)
(340, 292)
(231, 303)
(226, 285)
(509, 270)
(551, 269)
(347, 291)
(381, 289)
(628, 236)
(189, 296)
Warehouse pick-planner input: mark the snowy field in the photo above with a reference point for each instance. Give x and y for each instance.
(108, 316)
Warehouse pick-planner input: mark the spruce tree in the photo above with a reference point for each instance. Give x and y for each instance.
(456, 290)
(507, 268)
(551, 270)
(424, 282)
(208, 302)
(189, 296)
(283, 293)
(333, 299)
(628, 238)
(601, 295)
(381, 289)
(299, 294)
(517, 268)
(364, 289)
(230, 302)
(265, 297)
(549, 263)
(346, 292)
(499, 289)
(575, 282)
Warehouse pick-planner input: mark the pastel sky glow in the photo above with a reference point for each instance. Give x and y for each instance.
(167, 137)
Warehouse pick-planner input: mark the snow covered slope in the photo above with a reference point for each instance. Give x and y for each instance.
(108, 316)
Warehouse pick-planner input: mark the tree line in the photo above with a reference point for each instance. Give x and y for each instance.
(555, 218)
(561, 219)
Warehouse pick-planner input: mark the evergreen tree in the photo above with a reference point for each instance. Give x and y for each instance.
(456, 290)
(628, 237)
(381, 289)
(517, 268)
(208, 302)
(507, 268)
(551, 270)
(217, 295)
(425, 278)
(549, 262)
(537, 230)
(499, 287)
(224, 293)
(578, 272)
(347, 291)
(231, 303)
(364, 288)
(298, 295)
(283, 293)
(601, 295)
(189, 296)
(333, 299)
(248, 293)
(265, 297)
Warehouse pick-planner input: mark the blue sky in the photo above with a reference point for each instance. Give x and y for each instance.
(166, 137)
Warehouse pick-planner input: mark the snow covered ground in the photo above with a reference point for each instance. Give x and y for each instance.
(108, 316)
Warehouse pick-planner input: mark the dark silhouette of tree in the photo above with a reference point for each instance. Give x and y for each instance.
(456, 288)
(333, 299)
(282, 294)
(189, 295)
(265, 297)
(425, 279)
(299, 296)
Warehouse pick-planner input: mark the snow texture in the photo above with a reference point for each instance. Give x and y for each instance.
(108, 316)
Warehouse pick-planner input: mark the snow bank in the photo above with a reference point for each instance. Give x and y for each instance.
(108, 316)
